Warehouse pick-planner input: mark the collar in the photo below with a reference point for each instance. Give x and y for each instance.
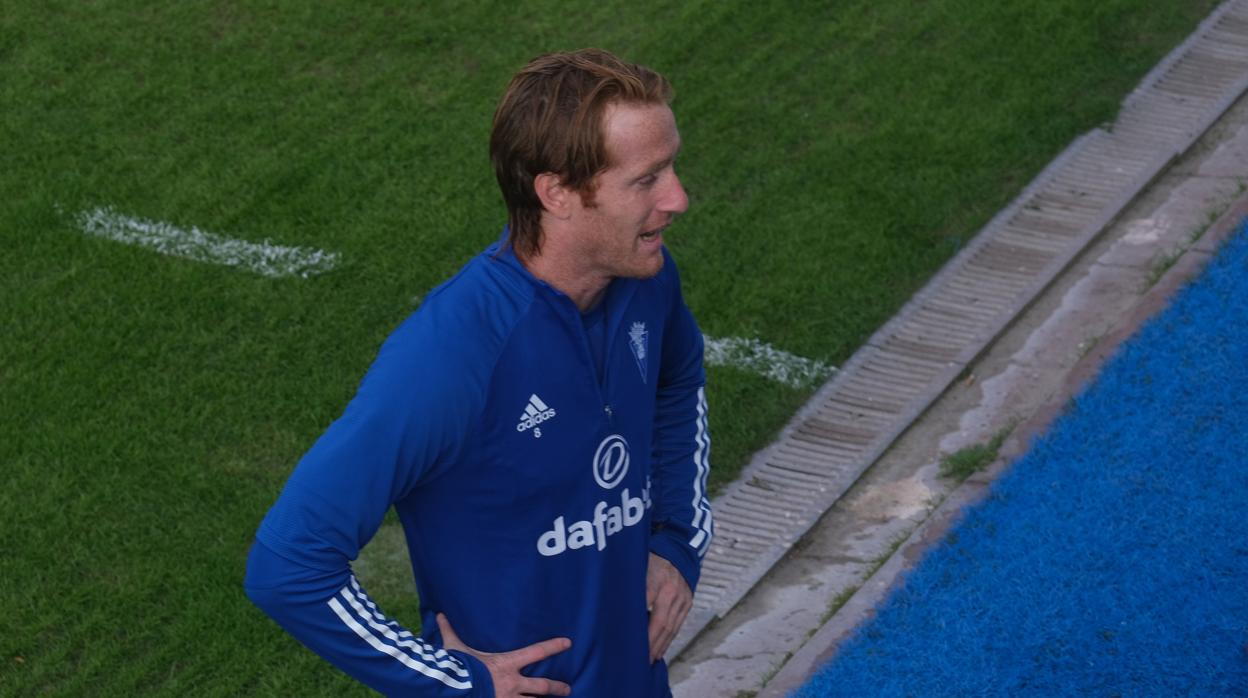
(618, 294)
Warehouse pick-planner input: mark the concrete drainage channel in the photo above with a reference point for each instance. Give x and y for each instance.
(934, 343)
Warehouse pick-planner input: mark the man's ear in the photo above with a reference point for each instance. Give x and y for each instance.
(556, 198)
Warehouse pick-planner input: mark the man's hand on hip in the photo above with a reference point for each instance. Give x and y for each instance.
(668, 599)
(505, 666)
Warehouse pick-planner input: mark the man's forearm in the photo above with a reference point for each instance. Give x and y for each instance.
(331, 614)
(682, 514)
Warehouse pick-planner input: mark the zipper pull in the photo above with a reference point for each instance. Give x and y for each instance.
(610, 414)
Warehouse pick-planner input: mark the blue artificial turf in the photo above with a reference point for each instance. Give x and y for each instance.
(1113, 558)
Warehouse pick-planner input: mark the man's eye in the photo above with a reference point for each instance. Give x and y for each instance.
(648, 180)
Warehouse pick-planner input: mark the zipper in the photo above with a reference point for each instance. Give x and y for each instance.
(573, 315)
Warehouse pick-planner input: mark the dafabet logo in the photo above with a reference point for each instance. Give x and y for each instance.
(610, 465)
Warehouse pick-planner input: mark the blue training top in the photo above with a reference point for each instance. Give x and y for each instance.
(531, 486)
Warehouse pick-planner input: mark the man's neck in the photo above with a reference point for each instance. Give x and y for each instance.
(571, 276)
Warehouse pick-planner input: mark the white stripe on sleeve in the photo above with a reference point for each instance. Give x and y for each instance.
(377, 615)
(392, 631)
(368, 622)
(398, 654)
(702, 519)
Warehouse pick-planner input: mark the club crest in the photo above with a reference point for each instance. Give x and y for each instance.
(639, 341)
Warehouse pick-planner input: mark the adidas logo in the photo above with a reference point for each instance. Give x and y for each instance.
(534, 414)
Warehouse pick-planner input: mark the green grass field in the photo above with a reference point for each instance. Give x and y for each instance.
(151, 407)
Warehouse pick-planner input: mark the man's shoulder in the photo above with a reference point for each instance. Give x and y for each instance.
(485, 281)
(467, 318)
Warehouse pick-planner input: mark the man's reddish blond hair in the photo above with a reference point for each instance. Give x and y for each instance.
(550, 119)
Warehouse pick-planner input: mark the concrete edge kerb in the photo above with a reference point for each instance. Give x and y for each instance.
(979, 241)
(1064, 260)
(875, 590)
(1174, 56)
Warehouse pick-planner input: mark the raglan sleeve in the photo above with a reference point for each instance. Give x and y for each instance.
(404, 424)
(682, 521)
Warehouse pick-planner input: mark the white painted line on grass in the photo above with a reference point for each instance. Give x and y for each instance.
(269, 259)
(765, 360)
(265, 257)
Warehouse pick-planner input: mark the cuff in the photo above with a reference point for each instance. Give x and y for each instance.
(671, 546)
(482, 682)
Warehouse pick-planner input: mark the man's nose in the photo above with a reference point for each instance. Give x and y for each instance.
(675, 199)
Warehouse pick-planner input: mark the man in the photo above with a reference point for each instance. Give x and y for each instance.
(539, 425)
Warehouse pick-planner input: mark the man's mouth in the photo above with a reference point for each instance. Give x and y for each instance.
(650, 236)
